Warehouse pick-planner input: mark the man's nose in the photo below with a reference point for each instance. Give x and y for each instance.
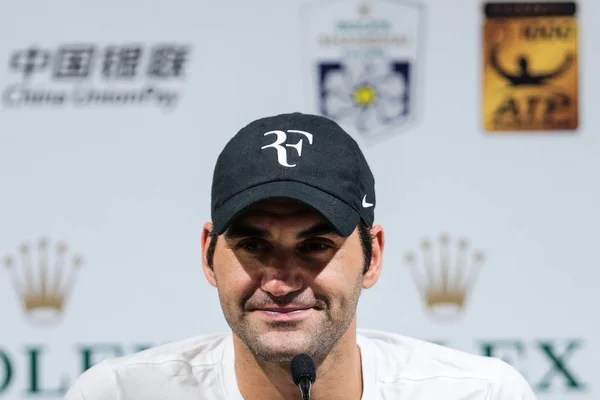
(282, 278)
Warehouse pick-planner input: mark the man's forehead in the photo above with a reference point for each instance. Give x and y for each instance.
(271, 214)
(281, 208)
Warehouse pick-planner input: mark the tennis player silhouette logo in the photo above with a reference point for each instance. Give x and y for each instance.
(525, 77)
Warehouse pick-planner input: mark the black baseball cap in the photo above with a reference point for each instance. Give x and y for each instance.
(304, 157)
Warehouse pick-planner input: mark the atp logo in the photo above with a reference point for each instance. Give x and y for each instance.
(280, 145)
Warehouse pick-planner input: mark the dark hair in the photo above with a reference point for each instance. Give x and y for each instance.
(364, 232)
(366, 242)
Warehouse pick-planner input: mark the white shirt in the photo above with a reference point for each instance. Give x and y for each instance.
(394, 367)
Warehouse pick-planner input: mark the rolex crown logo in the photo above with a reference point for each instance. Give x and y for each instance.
(43, 277)
(445, 273)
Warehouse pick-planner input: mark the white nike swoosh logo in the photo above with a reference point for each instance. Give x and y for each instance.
(365, 204)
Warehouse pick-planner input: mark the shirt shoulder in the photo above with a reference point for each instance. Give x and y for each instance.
(170, 366)
(408, 364)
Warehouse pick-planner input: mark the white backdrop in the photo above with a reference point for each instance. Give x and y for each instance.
(127, 186)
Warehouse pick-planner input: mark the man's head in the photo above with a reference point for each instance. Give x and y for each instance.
(291, 244)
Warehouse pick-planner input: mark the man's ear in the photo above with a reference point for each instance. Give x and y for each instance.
(208, 270)
(374, 272)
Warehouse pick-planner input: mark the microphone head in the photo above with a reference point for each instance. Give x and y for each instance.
(303, 366)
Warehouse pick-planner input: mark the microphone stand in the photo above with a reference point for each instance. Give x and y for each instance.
(305, 386)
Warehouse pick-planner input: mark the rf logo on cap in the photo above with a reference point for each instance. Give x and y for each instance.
(280, 142)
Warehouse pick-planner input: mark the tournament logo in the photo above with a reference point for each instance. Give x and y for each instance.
(445, 272)
(43, 277)
(364, 64)
(530, 67)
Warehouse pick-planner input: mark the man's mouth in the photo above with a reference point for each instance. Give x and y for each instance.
(283, 310)
(284, 314)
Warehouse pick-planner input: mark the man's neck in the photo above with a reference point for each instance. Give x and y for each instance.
(339, 375)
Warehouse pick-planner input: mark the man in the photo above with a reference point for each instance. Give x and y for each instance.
(289, 249)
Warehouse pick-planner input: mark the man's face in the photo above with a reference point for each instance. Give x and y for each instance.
(287, 282)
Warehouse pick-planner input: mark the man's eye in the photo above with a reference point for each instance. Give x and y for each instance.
(314, 247)
(253, 245)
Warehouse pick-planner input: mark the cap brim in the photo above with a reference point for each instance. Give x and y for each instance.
(341, 216)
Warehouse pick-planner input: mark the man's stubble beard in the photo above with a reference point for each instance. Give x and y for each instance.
(317, 342)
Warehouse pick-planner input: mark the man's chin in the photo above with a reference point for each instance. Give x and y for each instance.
(282, 346)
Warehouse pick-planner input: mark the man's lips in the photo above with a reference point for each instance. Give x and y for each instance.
(283, 310)
(284, 314)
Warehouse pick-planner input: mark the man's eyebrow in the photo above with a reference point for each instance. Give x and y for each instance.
(322, 228)
(240, 230)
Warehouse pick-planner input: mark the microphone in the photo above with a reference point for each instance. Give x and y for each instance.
(304, 374)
